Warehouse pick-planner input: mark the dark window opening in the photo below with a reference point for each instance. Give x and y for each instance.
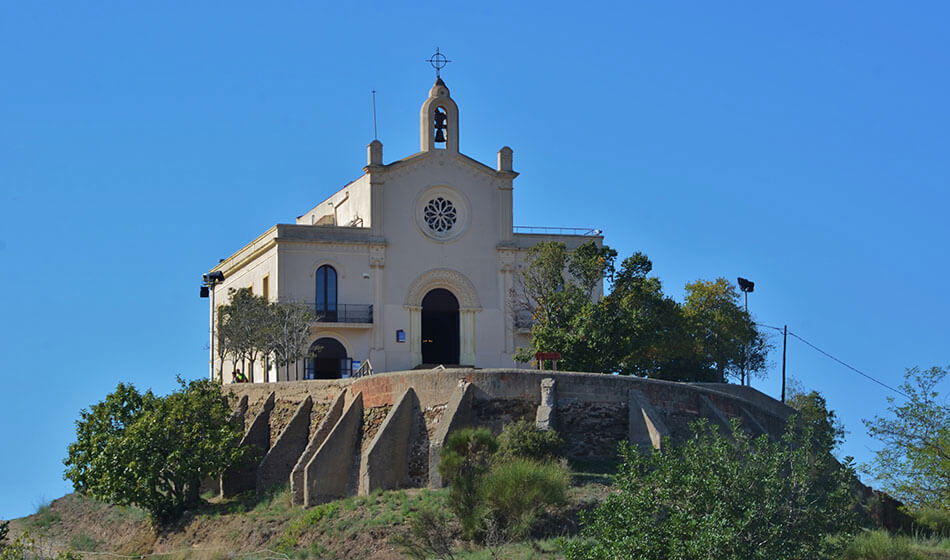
(326, 293)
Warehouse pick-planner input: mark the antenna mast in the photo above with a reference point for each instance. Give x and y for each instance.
(375, 133)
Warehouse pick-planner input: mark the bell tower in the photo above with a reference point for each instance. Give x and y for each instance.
(439, 121)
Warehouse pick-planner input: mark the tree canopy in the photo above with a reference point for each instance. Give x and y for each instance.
(251, 328)
(914, 464)
(635, 329)
(139, 449)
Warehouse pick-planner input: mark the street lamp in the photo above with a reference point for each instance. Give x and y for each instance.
(208, 283)
(747, 287)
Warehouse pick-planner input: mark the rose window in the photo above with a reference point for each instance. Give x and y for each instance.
(440, 215)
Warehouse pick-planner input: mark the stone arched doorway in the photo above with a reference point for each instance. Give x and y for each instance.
(466, 303)
(440, 327)
(328, 360)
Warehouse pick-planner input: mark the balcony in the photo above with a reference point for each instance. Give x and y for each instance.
(348, 313)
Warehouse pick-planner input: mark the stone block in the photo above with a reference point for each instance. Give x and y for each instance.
(546, 415)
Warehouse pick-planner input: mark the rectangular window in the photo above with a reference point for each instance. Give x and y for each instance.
(265, 287)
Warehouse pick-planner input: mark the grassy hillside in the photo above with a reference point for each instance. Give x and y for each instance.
(269, 527)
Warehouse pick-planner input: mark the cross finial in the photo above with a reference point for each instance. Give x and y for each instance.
(438, 61)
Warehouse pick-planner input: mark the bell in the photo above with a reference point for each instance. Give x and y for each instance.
(439, 135)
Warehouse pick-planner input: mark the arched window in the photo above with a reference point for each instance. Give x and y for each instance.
(326, 293)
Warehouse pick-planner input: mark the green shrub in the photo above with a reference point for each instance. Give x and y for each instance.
(465, 458)
(429, 536)
(525, 440)
(516, 492)
(729, 497)
(879, 545)
(83, 542)
(934, 520)
(44, 518)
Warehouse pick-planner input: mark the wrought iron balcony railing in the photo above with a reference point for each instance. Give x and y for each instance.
(345, 313)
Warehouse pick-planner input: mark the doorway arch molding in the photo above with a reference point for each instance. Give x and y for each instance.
(448, 279)
(469, 304)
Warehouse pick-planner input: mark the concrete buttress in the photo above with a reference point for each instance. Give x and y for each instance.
(328, 473)
(244, 477)
(646, 426)
(458, 414)
(297, 484)
(385, 464)
(286, 450)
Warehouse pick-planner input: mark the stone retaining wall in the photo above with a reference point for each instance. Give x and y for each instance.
(592, 412)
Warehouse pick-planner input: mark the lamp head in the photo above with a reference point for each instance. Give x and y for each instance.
(746, 286)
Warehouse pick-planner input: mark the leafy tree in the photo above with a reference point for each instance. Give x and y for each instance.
(287, 331)
(730, 498)
(556, 288)
(244, 326)
(724, 334)
(914, 465)
(635, 329)
(653, 336)
(153, 452)
(813, 409)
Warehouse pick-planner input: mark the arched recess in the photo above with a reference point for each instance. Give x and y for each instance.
(468, 304)
(329, 359)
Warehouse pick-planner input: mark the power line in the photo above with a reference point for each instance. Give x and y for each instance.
(779, 329)
(852, 368)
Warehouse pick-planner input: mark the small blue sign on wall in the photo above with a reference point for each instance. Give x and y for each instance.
(400, 335)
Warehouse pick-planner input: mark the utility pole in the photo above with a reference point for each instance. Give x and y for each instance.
(784, 348)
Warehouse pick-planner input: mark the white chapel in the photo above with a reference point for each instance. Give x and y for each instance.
(410, 265)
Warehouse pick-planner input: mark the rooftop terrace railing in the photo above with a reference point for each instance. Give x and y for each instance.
(540, 230)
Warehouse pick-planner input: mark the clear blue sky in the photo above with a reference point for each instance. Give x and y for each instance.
(803, 146)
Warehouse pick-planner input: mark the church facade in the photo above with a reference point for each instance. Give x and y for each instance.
(412, 264)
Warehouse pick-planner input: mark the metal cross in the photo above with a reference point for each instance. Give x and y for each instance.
(438, 61)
